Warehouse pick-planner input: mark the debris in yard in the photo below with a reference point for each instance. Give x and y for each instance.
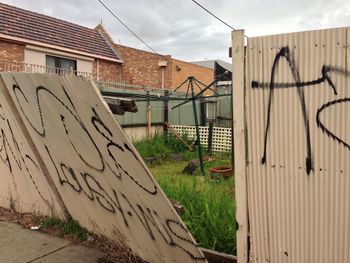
(35, 227)
(219, 257)
(178, 136)
(208, 158)
(191, 167)
(178, 207)
(151, 160)
(120, 105)
(90, 238)
(176, 157)
(224, 171)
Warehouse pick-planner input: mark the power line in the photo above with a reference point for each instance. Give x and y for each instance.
(222, 21)
(128, 28)
(211, 13)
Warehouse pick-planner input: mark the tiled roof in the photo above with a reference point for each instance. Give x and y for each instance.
(20, 23)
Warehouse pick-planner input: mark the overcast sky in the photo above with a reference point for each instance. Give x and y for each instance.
(185, 31)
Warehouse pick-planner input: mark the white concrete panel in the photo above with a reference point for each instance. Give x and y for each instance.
(24, 185)
(101, 178)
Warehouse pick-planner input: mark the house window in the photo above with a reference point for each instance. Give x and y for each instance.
(60, 66)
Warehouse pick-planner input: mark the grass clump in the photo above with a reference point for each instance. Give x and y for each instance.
(69, 228)
(209, 207)
(72, 227)
(51, 222)
(161, 146)
(175, 145)
(154, 147)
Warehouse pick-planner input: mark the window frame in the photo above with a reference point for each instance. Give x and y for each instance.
(57, 69)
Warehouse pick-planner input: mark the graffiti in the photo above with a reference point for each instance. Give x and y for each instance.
(286, 54)
(95, 119)
(17, 159)
(324, 128)
(102, 168)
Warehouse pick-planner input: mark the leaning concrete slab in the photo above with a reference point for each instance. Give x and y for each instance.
(100, 177)
(23, 187)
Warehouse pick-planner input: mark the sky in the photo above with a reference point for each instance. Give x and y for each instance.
(182, 29)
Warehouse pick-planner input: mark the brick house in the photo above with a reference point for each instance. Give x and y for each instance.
(152, 70)
(157, 71)
(34, 42)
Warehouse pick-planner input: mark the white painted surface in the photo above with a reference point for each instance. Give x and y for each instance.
(84, 66)
(139, 133)
(37, 56)
(24, 186)
(239, 145)
(34, 57)
(221, 140)
(98, 173)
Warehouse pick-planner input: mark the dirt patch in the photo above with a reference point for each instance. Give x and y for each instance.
(113, 252)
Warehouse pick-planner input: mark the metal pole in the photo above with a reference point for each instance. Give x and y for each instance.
(210, 138)
(166, 111)
(149, 117)
(197, 127)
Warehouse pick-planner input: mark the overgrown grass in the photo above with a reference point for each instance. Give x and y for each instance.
(175, 145)
(69, 228)
(155, 147)
(161, 146)
(209, 207)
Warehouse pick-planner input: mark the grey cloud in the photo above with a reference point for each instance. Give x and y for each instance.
(185, 31)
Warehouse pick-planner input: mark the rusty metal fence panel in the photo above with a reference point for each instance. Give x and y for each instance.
(298, 146)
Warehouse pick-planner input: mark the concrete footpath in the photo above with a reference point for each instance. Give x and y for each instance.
(19, 245)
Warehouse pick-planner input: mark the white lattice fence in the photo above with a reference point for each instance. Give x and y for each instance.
(221, 136)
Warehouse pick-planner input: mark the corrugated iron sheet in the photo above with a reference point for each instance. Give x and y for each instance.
(298, 109)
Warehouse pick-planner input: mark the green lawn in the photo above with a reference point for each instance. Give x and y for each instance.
(209, 205)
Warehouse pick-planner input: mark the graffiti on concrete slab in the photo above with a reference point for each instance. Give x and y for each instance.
(24, 187)
(90, 158)
(14, 156)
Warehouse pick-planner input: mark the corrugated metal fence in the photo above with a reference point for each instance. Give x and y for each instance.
(297, 137)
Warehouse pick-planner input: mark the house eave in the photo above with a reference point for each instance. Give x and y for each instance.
(40, 44)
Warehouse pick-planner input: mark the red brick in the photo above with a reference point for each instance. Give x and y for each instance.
(11, 51)
(107, 71)
(143, 68)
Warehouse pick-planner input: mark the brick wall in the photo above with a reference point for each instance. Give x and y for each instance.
(11, 51)
(181, 70)
(108, 71)
(143, 68)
